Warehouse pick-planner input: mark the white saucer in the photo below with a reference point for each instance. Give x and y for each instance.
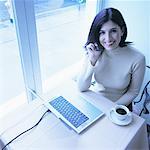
(113, 118)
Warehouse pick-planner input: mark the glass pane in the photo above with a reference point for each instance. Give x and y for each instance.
(61, 35)
(12, 91)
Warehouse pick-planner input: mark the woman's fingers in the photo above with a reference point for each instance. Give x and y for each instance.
(93, 52)
(90, 47)
(96, 47)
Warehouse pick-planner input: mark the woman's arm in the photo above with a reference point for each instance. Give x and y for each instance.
(137, 76)
(85, 76)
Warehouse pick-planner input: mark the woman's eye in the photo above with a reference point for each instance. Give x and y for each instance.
(101, 33)
(114, 31)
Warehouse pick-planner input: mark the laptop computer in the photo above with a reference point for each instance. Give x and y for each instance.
(77, 113)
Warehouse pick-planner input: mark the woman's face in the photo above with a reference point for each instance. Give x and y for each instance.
(110, 35)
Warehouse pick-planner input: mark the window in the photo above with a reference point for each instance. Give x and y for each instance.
(12, 88)
(61, 35)
(41, 39)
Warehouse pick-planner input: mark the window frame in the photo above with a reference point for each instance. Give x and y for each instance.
(28, 46)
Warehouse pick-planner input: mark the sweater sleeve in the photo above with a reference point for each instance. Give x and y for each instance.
(137, 76)
(85, 75)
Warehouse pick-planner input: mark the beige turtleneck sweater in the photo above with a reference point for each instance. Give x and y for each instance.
(118, 74)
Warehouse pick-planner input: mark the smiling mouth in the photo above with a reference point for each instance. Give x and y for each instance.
(110, 44)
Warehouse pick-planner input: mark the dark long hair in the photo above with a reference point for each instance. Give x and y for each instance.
(102, 17)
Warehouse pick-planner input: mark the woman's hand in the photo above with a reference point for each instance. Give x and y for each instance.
(93, 52)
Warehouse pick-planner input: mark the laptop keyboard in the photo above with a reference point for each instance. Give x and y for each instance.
(68, 111)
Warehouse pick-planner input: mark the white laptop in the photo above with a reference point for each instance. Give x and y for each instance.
(77, 113)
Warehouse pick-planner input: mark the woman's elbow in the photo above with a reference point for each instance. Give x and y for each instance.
(82, 88)
(83, 85)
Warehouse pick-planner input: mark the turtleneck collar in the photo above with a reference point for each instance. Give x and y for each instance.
(113, 51)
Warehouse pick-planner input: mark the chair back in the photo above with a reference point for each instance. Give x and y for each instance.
(141, 105)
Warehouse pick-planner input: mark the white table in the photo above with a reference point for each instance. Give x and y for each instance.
(52, 134)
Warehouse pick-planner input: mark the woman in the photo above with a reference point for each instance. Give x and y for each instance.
(117, 68)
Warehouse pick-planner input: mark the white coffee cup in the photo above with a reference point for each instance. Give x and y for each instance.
(121, 112)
